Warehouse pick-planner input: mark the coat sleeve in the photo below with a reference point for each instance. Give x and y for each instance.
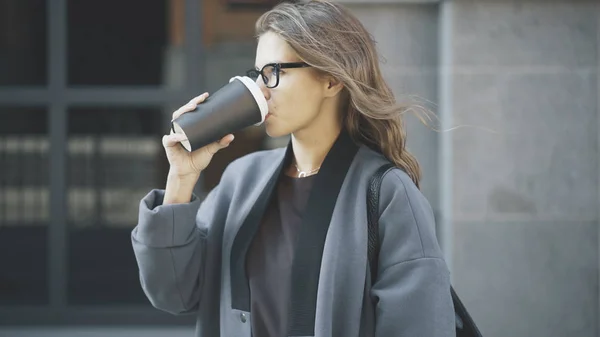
(412, 288)
(169, 244)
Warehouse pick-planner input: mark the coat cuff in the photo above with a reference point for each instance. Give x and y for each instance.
(163, 226)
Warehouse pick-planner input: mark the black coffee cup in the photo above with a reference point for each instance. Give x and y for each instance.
(233, 107)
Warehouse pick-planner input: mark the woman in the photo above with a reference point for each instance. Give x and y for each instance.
(279, 247)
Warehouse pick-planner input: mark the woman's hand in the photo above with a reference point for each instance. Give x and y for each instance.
(188, 165)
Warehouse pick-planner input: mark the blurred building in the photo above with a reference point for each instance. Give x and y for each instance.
(513, 171)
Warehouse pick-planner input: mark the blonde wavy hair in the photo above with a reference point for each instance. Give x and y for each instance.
(333, 41)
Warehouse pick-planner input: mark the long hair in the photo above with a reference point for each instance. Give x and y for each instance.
(332, 40)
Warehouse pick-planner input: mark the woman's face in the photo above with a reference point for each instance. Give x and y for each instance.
(295, 103)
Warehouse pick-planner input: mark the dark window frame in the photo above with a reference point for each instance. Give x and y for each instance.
(57, 97)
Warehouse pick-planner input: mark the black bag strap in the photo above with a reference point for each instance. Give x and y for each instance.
(465, 326)
(373, 217)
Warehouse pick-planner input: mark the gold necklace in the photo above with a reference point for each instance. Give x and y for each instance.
(302, 174)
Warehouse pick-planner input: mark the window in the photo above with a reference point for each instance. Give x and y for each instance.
(23, 42)
(115, 42)
(24, 206)
(115, 156)
(86, 92)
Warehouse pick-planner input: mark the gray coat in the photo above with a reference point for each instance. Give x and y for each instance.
(191, 256)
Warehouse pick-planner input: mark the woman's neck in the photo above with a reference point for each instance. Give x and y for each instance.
(311, 148)
(311, 144)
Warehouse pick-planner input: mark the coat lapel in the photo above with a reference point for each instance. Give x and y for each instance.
(310, 241)
(240, 289)
(311, 238)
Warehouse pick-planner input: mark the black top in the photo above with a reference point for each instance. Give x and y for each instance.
(270, 256)
(310, 237)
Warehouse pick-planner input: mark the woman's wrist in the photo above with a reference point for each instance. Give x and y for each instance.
(179, 189)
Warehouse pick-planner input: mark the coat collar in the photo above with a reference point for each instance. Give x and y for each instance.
(310, 241)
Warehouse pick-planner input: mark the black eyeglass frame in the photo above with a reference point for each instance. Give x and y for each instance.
(254, 73)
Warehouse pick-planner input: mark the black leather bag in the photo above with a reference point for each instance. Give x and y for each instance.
(465, 326)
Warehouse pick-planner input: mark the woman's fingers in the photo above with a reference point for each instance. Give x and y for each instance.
(219, 145)
(172, 139)
(202, 157)
(190, 106)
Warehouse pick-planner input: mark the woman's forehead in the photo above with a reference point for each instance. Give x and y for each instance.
(273, 49)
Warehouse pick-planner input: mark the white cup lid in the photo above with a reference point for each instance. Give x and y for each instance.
(257, 94)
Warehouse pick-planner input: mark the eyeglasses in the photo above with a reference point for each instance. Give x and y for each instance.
(270, 72)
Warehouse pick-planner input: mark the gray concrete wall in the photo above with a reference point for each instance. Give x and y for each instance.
(524, 170)
(526, 197)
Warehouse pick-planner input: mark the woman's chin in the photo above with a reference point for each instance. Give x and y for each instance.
(275, 132)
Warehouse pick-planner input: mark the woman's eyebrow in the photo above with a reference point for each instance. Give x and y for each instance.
(271, 62)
